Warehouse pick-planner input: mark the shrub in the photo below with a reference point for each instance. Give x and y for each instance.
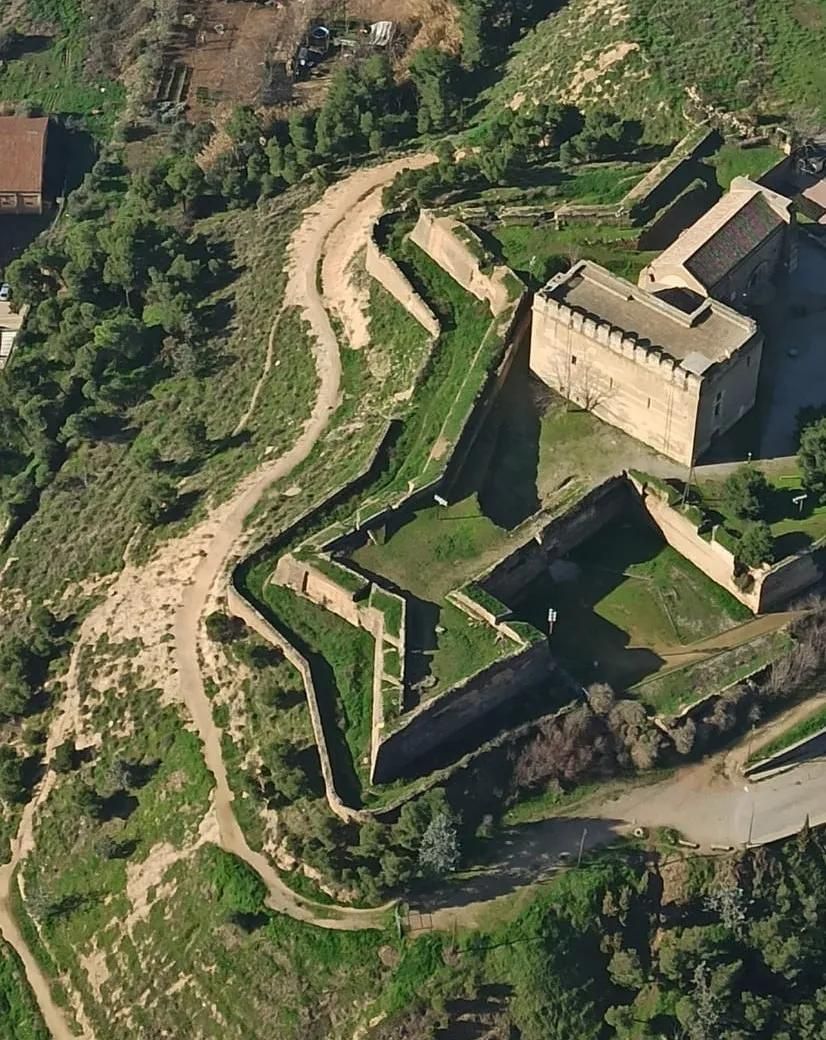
(221, 628)
(238, 887)
(439, 853)
(746, 493)
(756, 545)
(812, 458)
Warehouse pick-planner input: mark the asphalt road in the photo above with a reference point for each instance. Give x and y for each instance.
(702, 805)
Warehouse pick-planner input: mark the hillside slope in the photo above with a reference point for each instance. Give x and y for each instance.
(660, 60)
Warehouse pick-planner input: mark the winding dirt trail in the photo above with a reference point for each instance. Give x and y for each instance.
(339, 205)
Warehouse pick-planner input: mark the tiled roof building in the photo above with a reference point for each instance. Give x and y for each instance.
(734, 250)
(22, 162)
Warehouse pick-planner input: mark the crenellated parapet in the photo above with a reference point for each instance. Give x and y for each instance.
(634, 348)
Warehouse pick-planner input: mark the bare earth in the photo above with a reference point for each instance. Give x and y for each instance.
(170, 594)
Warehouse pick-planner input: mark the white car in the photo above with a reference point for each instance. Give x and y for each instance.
(5, 292)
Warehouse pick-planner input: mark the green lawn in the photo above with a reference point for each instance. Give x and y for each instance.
(537, 252)
(623, 599)
(794, 530)
(439, 549)
(731, 162)
(674, 690)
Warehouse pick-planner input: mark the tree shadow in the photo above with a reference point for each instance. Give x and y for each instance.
(117, 806)
(142, 772)
(307, 760)
(32, 770)
(125, 849)
(522, 856)
(182, 507)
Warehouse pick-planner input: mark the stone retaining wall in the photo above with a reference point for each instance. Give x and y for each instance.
(759, 588)
(562, 534)
(389, 275)
(435, 721)
(436, 236)
(240, 608)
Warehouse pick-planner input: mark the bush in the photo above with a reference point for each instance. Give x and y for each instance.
(812, 458)
(756, 545)
(239, 889)
(221, 628)
(746, 493)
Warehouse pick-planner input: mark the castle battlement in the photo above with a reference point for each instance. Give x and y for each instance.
(606, 334)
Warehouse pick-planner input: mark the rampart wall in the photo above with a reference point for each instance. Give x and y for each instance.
(436, 236)
(389, 275)
(239, 607)
(599, 507)
(760, 588)
(435, 721)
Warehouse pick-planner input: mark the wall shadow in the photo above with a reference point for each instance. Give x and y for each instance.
(523, 856)
(509, 493)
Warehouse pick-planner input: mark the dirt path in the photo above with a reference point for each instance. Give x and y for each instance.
(339, 205)
(52, 1014)
(211, 547)
(730, 639)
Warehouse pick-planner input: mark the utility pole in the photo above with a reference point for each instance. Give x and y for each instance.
(689, 482)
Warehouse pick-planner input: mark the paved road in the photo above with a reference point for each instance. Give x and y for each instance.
(704, 807)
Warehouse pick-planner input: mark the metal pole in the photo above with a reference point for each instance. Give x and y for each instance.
(581, 846)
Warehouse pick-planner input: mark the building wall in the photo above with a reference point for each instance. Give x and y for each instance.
(591, 513)
(20, 202)
(606, 371)
(766, 261)
(728, 391)
(434, 235)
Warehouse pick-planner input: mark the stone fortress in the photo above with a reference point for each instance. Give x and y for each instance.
(672, 361)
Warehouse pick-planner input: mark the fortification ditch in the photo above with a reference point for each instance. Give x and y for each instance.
(439, 719)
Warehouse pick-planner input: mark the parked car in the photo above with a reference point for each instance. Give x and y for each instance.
(5, 292)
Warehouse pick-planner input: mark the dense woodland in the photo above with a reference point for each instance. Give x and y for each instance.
(644, 946)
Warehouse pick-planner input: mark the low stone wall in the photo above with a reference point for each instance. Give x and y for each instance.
(435, 721)
(437, 237)
(760, 589)
(240, 608)
(671, 175)
(389, 275)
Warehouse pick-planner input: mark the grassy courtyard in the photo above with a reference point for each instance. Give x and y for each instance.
(732, 161)
(795, 527)
(537, 252)
(625, 600)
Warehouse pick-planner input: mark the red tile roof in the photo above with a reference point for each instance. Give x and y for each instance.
(22, 152)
